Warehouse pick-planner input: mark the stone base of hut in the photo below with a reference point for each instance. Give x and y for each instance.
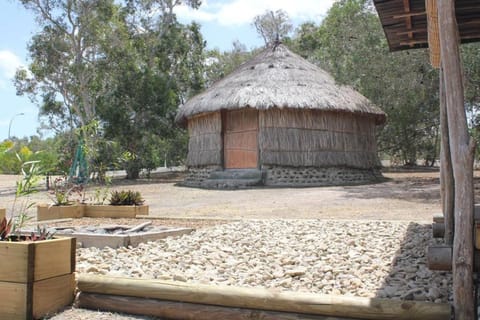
(315, 176)
(280, 176)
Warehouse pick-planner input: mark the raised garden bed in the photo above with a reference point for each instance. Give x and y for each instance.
(49, 212)
(115, 236)
(109, 211)
(36, 278)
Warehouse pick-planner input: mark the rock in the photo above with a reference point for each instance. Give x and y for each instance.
(296, 272)
(433, 293)
(179, 277)
(390, 291)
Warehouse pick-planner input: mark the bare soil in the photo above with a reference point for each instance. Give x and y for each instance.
(409, 196)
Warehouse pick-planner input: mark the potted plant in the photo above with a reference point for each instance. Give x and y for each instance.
(62, 206)
(37, 269)
(123, 204)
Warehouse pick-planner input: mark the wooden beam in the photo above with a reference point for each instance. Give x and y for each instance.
(419, 30)
(264, 299)
(413, 42)
(408, 19)
(410, 14)
(462, 149)
(439, 257)
(183, 310)
(433, 37)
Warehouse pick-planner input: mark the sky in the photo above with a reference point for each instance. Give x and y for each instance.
(222, 22)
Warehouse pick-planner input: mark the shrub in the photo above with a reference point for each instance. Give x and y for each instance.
(126, 198)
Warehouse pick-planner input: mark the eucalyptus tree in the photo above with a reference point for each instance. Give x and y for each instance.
(157, 66)
(273, 25)
(62, 75)
(119, 66)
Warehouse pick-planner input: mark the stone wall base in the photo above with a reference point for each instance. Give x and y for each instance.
(276, 176)
(314, 176)
(196, 176)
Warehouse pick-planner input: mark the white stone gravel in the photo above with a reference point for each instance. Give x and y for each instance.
(362, 258)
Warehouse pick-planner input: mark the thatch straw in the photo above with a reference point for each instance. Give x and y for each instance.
(279, 78)
(433, 33)
(316, 138)
(205, 143)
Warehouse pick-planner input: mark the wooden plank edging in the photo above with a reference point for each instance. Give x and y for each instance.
(183, 310)
(264, 299)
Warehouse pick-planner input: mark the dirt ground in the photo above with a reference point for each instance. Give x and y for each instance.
(411, 196)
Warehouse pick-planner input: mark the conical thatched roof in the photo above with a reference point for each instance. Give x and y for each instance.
(277, 77)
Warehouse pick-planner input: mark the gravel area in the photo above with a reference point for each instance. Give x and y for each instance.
(368, 259)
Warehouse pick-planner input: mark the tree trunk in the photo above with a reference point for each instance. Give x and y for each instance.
(462, 148)
(133, 170)
(446, 171)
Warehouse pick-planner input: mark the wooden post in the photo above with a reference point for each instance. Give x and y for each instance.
(462, 148)
(446, 171)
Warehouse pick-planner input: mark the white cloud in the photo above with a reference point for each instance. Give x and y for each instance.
(9, 62)
(241, 12)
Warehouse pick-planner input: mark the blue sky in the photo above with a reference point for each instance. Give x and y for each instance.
(222, 21)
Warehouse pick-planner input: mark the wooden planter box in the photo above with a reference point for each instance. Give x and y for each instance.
(49, 212)
(3, 213)
(36, 278)
(109, 211)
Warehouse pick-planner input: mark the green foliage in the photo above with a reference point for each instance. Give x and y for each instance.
(126, 198)
(24, 189)
(351, 45)
(14, 153)
(118, 71)
(63, 190)
(219, 64)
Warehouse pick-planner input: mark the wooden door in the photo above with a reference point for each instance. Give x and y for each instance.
(240, 142)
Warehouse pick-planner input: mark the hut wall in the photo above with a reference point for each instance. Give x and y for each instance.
(205, 140)
(315, 148)
(204, 147)
(311, 138)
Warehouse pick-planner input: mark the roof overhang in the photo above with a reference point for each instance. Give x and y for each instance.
(405, 22)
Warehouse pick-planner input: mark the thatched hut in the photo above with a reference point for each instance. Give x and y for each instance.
(280, 120)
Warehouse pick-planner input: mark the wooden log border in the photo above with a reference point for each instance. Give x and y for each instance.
(257, 299)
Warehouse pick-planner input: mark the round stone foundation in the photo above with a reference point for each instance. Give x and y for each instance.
(282, 176)
(313, 176)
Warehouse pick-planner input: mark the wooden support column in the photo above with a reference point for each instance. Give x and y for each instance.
(462, 148)
(446, 171)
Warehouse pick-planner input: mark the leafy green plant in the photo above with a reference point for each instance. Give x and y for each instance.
(63, 191)
(24, 189)
(101, 193)
(10, 228)
(126, 198)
